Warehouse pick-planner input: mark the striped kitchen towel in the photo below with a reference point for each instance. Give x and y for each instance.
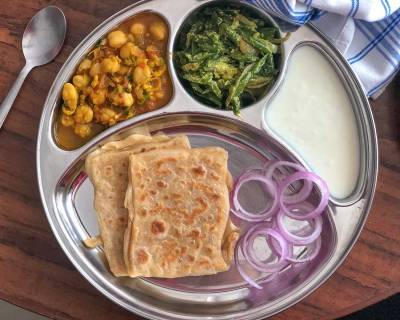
(366, 32)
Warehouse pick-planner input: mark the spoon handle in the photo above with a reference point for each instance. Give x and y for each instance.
(12, 94)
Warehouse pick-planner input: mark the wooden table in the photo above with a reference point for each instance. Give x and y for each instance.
(36, 275)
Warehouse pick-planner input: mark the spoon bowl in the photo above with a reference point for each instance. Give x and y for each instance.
(44, 36)
(42, 41)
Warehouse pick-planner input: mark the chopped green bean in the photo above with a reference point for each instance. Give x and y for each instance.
(227, 57)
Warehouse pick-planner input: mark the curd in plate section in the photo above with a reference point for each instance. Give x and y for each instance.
(313, 113)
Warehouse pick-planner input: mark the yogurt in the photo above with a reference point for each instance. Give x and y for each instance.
(313, 113)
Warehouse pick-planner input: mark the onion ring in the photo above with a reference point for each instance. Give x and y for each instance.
(239, 268)
(323, 189)
(314, 247)
(266, 213)
(305, 190)
(269, 222)
(249, 253)
(295, 239)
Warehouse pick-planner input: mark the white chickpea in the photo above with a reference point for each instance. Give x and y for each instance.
(123, 99)
(110, 65)
(70, 95)
(84, 65)
(141, 74)
(95, 69)
(137, 29)
(116, 39)
(129, 50)
(82, 130)
(67, 121)
(126, 50)
(138, 53)
(81, 81)
(83, 114)
(107, 116)
(98, 96)
(158, 30)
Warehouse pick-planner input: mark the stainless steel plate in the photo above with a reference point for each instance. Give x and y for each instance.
(67, 195)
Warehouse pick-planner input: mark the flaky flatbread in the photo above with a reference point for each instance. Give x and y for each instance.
(107, 169)
(126, 143)
(178, 202)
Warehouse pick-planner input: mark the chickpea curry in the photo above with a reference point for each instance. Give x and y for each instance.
(124, 75)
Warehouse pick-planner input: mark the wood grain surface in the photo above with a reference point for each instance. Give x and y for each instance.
(36, 275)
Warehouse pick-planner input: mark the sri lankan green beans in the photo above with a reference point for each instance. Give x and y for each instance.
(227, 58)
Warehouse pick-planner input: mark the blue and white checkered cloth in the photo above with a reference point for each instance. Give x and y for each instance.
(367, 32)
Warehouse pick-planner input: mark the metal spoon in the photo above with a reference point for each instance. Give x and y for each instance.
(43, 38)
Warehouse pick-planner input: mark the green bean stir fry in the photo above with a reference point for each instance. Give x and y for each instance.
(227, 58)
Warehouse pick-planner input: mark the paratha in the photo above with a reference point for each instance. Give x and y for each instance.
(178, 202)
(107, 169)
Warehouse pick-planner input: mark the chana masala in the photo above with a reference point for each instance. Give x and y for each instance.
(124, 75)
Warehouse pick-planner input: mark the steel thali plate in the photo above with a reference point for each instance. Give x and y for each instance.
(67, 195)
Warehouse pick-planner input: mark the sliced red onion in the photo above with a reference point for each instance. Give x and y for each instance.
(268, 278)
(279, 239)
(312, 251)
(269, 163)
(269, 187)
(301, 194)
(299, 211)
(297, 239)
(239, 268)
(317, 181)
(255, 228)
(251, 257)
(271, 166)
(255, 169)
